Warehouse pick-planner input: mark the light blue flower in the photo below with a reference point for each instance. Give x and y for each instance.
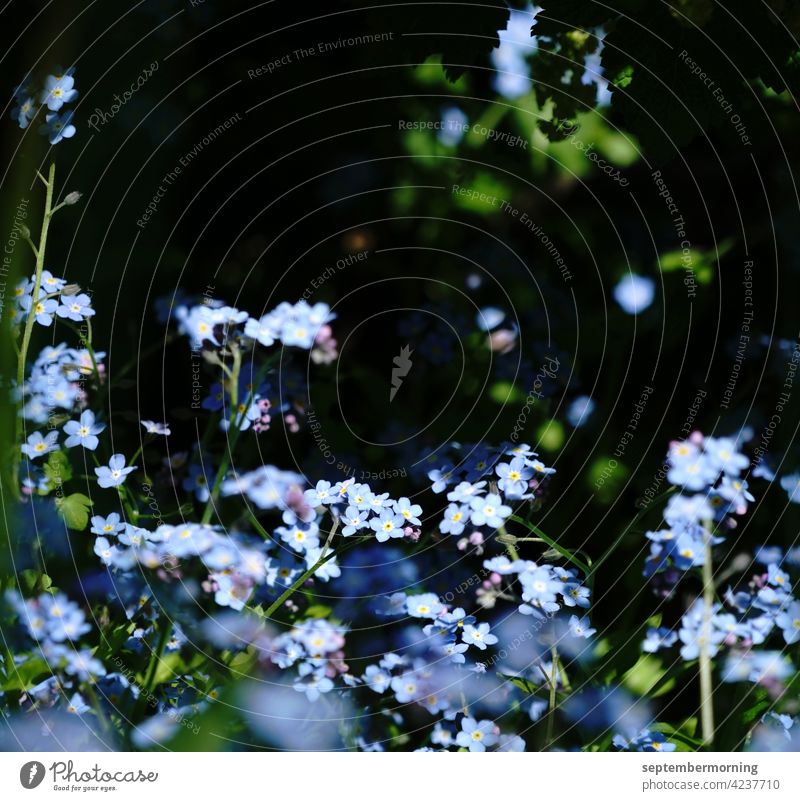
(376, 679)
(37, 445)
(657, 638)
(24, 111)
(478, 636)
(58, 89)
(354, 520)
(408, 511)
(387, 525)
(580, 410)
(789, 622)
(107, 526)
(84, 432)
(83, 665)
(476, 735)
(75, 307)
(43, 309)
(634, 293)
(58, 127)
(455, 517)
(580, 627)
(425, 605)
(115, 474)
(514, 477)
(489, 511)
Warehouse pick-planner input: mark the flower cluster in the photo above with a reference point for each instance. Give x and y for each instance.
(57, 624)
(708, 470)
(482, 482)
(57, 91)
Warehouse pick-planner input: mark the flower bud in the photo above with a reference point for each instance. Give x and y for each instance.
(72, 198)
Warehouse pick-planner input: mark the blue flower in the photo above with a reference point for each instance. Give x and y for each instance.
(724, 456)
(466, 491)
(646, 740)
(75, 307)
(376, 679)
(387, 525)
(151, 427)
(83, 665)
(353, 520)
(115, 474)
(425, 605)
(107, 526)
(43, 309)
(84, 432)
(478, 636)
(658, 638)
(476, 735)
(408, 511)
(634, 293)
(455, 651)
(37, 445)
(580, 627)
(454, 125)
(58, 89)
(455, 517)
(24, 111)
(789, 623)
(791, 484)
(489, 317)
(580, 410)
(58, 127)
(489, 511)
(514, 477)
(441, 478)
(320, 495)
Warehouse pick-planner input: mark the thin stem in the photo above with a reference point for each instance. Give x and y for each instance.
(155, 659)
(26, 336)
(551, 715)
(706, 684)
(323, 557)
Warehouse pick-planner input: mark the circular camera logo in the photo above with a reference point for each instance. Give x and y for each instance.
(31, 774)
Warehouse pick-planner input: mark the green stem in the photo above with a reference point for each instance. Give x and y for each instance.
(323, 557)
(152, 668)
(551, 715)
(226, 459)
(26, 336)
(706, 684)
(570, 557)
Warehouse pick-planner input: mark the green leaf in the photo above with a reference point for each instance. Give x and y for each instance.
(74, 510)
(57, 469)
